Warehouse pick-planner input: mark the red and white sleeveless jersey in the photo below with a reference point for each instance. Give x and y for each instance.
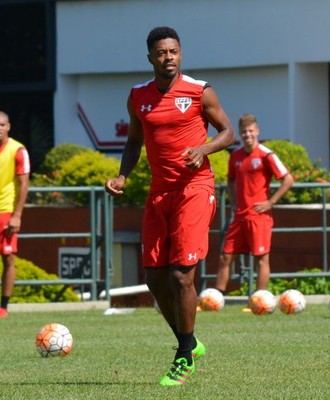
(171, 122)
(252, 173)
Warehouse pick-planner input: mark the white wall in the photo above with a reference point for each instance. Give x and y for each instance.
(110, 35)
(262, 56)
(311, 113)
(261, 90)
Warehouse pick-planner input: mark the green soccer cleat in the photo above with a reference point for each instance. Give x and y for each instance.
(199, 351)
(178, 373)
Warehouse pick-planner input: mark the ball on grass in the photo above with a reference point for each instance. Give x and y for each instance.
(291, 302)
(211, 300)
(262, 302)
(54, 340)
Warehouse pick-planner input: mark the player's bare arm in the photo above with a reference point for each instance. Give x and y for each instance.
(264, 206)
(217, 117)
(131, 154)
(14, 224)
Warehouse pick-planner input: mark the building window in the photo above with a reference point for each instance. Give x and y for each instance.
(27, 44)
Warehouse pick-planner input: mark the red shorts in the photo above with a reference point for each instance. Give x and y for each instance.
(176, 227)
(246, 236)
(8, 245)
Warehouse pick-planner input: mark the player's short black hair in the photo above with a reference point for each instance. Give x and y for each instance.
(159, 33)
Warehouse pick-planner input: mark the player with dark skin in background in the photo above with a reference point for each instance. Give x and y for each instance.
(170, 115)
(14, 186)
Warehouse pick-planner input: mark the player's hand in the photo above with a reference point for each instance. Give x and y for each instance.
(13, 226)
(114, 186)
(263, 206)
(193, 157)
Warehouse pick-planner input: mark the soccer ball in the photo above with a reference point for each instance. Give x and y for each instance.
(262, 302)
(291, 302)
(211, 300)
(54, 340)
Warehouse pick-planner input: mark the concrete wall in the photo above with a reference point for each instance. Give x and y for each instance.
(261, 56)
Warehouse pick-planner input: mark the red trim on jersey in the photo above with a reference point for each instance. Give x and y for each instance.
(22, 162)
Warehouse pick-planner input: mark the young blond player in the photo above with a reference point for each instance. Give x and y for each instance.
(251, 168)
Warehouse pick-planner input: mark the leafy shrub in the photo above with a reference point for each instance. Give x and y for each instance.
(219, 162)
(303, 170)
(73, 165)
(307, 286)
(317, 285)
(60, 154)
(26, 270)
(48, 174)
(138, 183)
(90, 168)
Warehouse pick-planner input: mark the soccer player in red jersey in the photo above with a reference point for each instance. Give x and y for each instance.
(251, 168)
(170, 115)
(14, 186)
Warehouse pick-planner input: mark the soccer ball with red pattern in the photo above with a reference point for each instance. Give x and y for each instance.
(211, 300)
(291, 302)
(262, 302)
(54, 340)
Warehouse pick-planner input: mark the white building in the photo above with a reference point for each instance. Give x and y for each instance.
(269, 57)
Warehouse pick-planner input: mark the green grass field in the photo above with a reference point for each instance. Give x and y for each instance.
(123, 356)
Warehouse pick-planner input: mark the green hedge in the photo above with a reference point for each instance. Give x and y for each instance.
(303, 170)
(59, 154)
(71, 165)
(308, 286)
(26, 270)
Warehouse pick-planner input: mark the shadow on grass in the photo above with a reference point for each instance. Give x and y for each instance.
(78, 384)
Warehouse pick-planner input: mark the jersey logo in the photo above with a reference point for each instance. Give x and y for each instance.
(183, 103)
(255, 162)
(147, 107)
(192, 256)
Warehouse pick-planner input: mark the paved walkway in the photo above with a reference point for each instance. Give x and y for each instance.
(84, 305)
(104, 305)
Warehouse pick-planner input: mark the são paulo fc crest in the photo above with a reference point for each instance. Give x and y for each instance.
(256, 162)
(183, 103)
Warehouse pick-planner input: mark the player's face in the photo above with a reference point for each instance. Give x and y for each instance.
(4, 128)
(165, 57)
(249, 135)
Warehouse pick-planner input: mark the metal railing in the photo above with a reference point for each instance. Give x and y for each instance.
(246, 272)
(101, 231)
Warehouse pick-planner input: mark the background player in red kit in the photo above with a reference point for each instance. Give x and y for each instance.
(251, 168)
(14, 186)
(170, 114)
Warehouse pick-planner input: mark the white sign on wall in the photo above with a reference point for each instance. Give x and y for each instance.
(74, 262)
